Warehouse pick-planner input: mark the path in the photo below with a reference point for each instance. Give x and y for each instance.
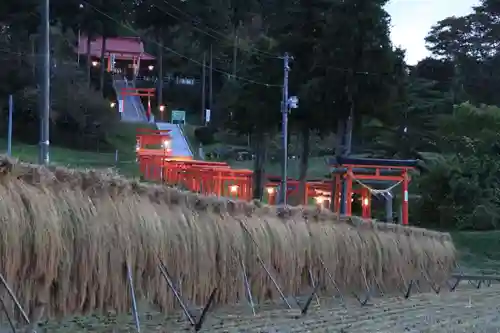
(133, 110)
(180, 146)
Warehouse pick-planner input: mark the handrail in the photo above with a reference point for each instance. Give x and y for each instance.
(181, 129)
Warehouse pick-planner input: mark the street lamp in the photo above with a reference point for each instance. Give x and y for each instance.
(162, 109)
(165, 144)
(289, 103)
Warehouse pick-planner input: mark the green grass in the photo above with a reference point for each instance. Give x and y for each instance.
(123, 138)
(479, 250)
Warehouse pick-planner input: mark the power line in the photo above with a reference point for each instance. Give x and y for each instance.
(220, 35)
(338, 69)
(180, 54)
(224, 36)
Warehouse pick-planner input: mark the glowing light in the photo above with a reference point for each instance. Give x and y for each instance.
(95, 63)
(166, 144)
(151, 67)
(365, 202)
(162, 108)
(233, 188)
(270, 190)
(320, 199)
(112, 104)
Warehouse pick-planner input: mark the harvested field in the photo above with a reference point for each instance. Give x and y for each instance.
(468, 310)
(68, 237)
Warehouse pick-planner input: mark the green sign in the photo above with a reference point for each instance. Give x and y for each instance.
(178, 117)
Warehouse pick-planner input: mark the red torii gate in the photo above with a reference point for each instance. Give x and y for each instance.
(358, 169)
(142, 92)
(313, 188)
(146, 136)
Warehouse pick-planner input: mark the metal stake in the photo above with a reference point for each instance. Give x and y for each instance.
(313, 284)
(265, 267)
(332, 280)
(247, 286)
(14, 299)
(167, 278)
(4, 308)
(134, 302)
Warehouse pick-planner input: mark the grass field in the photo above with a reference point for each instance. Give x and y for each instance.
(479, 250)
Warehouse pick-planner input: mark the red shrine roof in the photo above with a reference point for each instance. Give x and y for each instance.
(125, 48)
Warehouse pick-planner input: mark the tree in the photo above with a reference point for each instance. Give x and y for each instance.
(438, 71)
(470, 43)
(459, 186)
(253, 109)
(347, 67)
(153, 16)
(411, 130)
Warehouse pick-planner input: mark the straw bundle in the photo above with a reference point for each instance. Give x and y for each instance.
(67, 237)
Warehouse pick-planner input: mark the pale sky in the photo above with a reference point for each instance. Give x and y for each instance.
(413, 19)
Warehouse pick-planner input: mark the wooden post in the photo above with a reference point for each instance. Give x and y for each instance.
(405, 197)
(149, 107)
(337, 193)
(348, 197)
(305, 198)
(365, 203)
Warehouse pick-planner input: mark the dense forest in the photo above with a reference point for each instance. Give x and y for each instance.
(345, 71)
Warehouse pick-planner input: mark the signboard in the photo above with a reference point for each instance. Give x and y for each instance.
(178, 117)
(120, 105)
(112, 61)
(207, 116)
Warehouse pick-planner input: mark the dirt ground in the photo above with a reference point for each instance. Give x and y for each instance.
(467, 310)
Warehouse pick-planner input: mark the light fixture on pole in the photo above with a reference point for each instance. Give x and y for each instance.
(162, 109)
(293, 102)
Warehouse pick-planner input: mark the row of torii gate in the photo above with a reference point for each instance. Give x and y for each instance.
(359, 177)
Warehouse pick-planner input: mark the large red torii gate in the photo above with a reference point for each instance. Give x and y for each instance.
(351, 170)
(142, 92)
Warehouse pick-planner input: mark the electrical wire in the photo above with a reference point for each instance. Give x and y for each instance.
(243, 79)
(338, 69)
(224, 36)
(220, 35)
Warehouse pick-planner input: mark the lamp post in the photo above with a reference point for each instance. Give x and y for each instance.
(162, 109)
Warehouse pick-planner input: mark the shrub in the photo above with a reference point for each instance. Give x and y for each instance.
(205, 135)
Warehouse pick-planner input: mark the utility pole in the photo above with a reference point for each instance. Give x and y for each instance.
(44, 82)
(235, 53)
(284, 129)
(203, 88)
(159, 70)
(9, 129)
(210, 81)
